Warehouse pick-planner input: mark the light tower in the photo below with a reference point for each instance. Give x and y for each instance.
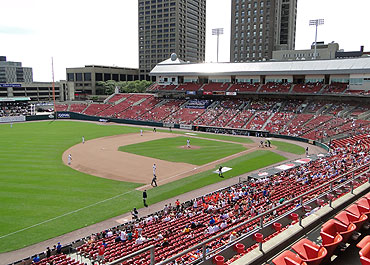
(316, 22)
(217, 32)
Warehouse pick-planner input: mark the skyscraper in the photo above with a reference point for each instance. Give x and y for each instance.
(14, 72)
(170, 26)
(259, 27)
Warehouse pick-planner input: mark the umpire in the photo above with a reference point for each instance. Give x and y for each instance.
(145, 196)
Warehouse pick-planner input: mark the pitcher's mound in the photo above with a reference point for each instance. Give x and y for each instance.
(191, 147)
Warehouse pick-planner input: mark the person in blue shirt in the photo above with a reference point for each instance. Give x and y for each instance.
(36, 258)
(212, 221)
(59, 248)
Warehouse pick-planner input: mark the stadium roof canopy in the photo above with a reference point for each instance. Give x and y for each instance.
(15, 99)
(338, 66)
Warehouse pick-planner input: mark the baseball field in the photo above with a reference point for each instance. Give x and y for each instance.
(43, 197)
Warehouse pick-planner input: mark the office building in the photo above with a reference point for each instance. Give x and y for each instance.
(259, 27)
(85, 79)
(323, 52)
(170, 26)
(13, 72)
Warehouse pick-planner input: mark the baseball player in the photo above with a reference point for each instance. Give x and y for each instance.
(141, 132)
(220, 172)
(83, 139)
(145, 196)
(154, 180)
(188, 143)
(69, 159)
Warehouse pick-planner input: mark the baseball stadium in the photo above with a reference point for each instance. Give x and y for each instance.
(255, 163)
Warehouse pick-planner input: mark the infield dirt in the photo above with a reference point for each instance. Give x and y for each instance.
(100, 157)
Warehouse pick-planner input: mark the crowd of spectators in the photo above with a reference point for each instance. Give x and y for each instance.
(14, 109)
(314, 120)
(182, 225)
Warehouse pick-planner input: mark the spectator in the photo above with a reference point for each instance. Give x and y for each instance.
(233, 236)
(48, 252)
(36, 258)
(101, 250)
(59, 248)
(165, 243)
(135, 214)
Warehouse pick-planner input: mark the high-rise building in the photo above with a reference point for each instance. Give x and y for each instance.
(170, 26)
(13, 72)
(259, 27)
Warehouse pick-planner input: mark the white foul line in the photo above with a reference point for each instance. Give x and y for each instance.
(57, 217)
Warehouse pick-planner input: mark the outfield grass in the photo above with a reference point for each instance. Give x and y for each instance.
(288, 147)
(168, 149)
(36, 186)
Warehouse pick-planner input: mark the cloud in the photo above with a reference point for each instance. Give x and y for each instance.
(15, 30)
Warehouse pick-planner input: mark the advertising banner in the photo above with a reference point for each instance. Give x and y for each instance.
(186, 127)
(12, 119)
(62, 115)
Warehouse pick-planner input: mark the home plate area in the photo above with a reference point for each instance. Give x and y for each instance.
(224, 169)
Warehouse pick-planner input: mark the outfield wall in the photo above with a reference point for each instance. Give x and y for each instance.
(66, 115)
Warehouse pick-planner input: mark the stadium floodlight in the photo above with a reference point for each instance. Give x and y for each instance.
(316, 23)
(217, 32)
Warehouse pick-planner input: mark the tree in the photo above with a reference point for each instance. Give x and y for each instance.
(124, 86)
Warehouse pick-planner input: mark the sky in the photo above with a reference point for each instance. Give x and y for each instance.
(82, 32)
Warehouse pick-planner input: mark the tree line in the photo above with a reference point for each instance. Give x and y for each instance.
(108, 87)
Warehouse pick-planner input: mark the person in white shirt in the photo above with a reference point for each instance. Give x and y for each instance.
(83, 139)
(69, 159)
(140, 240)
(233, 236)
(223, 225)
(123, 236)
(141, 132)
(188, 143)
(154, 180)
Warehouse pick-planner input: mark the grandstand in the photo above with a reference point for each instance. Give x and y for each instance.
(233, 225)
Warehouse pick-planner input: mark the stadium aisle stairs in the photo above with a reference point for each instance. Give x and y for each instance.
(291, 88)
(87, 105)
(288, 123)
(79, 258)
(267, 121)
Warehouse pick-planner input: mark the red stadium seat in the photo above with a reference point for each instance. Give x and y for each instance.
(347, 218)
(363, 242)
(330, 241)
(365, 255)
(364, 205)
(288, 258)
(311, 253)
(332, 227)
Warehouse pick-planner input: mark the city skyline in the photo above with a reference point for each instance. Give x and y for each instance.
(77, 34)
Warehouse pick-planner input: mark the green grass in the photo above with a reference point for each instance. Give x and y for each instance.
(168, 149)
(240, 165)
(288, 147)
(36, 186)
(236, 139)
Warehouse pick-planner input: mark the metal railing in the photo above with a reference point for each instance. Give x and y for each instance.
(348, 183)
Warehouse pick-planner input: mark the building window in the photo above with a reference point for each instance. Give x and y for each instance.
(70, 77)
(78, 76)
(98, 77)
(87, 76)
